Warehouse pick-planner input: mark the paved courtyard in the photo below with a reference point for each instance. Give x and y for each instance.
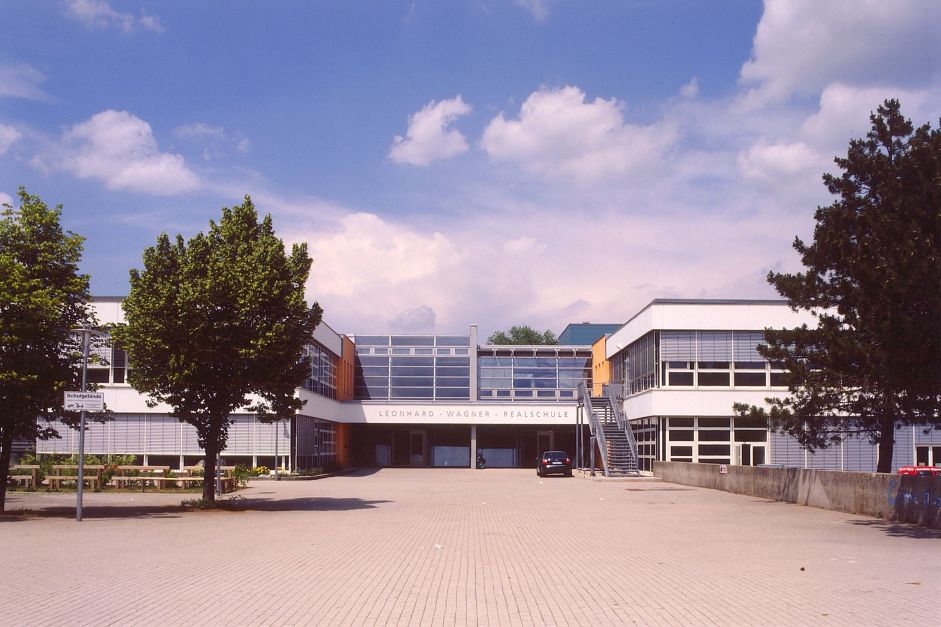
(464, 547)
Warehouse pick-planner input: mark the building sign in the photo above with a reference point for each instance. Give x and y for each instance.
(88, 401)
(470, 413)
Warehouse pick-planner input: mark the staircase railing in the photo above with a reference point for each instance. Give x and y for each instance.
(584, 399)
(623, 421)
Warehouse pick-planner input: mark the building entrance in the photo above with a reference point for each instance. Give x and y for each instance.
(408, 448)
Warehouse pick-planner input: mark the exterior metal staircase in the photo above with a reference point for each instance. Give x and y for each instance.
(612, 433)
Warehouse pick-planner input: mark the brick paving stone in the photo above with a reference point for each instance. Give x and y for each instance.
(461, 547)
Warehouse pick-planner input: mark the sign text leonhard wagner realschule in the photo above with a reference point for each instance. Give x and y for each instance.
(473, 413)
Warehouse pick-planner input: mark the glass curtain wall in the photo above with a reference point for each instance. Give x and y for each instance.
(532, 374)
(412, 367)
(323, 371)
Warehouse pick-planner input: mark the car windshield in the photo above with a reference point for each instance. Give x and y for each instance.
(555, 456)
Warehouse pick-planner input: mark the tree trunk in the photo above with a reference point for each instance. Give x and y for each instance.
(209, 472)
(886, 444)
(6, 443)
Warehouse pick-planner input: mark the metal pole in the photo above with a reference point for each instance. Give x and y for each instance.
(277, 472)
(81, 429)
(592, 456)
(578, 419)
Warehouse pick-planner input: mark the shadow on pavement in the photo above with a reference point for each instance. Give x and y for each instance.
(900, 530)
(234, 505)
(96, 511)
(311, 504)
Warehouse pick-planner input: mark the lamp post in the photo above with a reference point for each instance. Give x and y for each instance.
(86, 331)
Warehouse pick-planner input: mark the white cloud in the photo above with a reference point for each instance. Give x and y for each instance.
(429, 136)
(119, 149)
(369, 249)
(558, 133)
(690, 89)
(21, 80)
(766, 160)
(6, 199)
(214, 141)
(416, 320)
(100, 14)
(199, 129)
(8, 137)
(801, 46)
(538, 8)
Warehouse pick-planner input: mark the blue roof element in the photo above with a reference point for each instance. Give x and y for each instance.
(586, 333)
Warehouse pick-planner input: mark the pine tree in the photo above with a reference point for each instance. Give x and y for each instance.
(873, 281)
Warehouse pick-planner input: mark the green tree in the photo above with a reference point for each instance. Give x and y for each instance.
(525, 335)
(873, 282)
(215, 320)
(42, 297)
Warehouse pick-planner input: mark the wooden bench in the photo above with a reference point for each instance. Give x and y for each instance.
(227, 482)
(55, 481)
(26, 479)
(31, 480)
(123, 470)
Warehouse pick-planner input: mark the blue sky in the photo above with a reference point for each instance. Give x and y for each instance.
(448, 163)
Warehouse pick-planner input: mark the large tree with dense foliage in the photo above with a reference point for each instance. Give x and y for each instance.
(873, 281)
(525, 335)
(42, 297)
(215, 320)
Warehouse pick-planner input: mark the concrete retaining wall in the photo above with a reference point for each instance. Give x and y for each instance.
(892, 497)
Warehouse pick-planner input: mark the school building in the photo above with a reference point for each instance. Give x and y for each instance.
(659, 387)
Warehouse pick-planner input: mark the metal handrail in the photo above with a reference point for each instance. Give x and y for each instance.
(623, 422)
(585, 399)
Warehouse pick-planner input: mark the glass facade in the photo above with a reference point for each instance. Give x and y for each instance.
(532, 373)
(412, 367)
(323, 371)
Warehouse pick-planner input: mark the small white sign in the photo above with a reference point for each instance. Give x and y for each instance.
(89, 401)
(723, 469)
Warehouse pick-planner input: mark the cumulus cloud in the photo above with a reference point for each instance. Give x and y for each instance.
(559, 133)
(215, 141)
(120, 150)
(801, 46)
(766, 160)
(8, 136)
(367, 248)
(429, 136)
(690, 89)
(537, 8)
(417, 320)
(199, 129)
(100, 14)
(5, 199)
(21, 80)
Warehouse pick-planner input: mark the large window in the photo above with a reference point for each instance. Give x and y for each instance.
(106, 363)
(532, 373)
(323, 371)
(412, 367)
(716, 359)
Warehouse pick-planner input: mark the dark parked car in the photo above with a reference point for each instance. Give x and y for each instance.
(554, 462)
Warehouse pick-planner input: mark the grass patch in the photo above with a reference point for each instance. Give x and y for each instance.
(231, 504)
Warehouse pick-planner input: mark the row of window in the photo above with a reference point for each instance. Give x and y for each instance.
(694, 359)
